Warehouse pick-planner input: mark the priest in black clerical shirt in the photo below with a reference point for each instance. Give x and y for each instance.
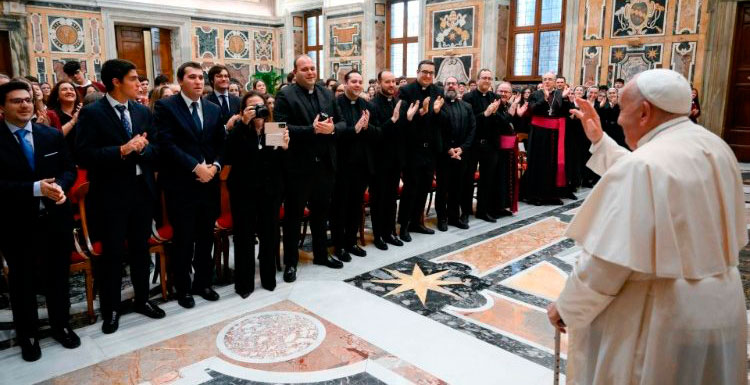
(313, 118)
(355, 167)
(458, 124)
(545, 181)
(390, 156)
(420, 104)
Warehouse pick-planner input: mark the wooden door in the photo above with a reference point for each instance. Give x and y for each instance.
(165, 53)
(737, 124)
(130, 46)
(6, 67)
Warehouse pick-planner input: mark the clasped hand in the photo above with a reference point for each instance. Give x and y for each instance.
(324, 127)
(205, 172)
(363, 121)
(136, 144)
(52, 190)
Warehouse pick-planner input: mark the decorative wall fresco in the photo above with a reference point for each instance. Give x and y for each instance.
(241, 73)
(638, 17)
(591, 66)
(453, 28)
(593, 19)
(94, 32)
(687, 17)
(36, 32)
(66, 34)
(236, 44)
(41, 70)
(340, 68)
(626, 62)
(346, 40)
(207, 41)
(683, 58)
(263, 45)
(459, 67)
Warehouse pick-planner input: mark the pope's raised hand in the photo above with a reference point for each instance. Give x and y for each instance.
(592, 125)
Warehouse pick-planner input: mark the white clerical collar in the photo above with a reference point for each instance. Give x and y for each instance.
(661, 128)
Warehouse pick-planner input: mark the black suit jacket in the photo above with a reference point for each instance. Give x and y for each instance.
(389, 151)
(354, 148)
(19, 205)
(183, 146)
(489, 128)
(234, 106)
(99, 135)
(458, 125)
(422, 129)
(294, 108)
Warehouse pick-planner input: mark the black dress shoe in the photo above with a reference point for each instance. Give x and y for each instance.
(186, 300)
(244, 293)
(393, 240)
(380, 243)
(356, 250)
(30, 350)
(405, 236)
(504, 213)
(570, 195)
(290, 273)
(421, 229)
(342, 255)
(150, 309)
(66, 337)
(486, 218)
(464, 218)
(329, 262)
(110, 322)
(207, 293)
(268, 285)
(442, 225)
(459, 224)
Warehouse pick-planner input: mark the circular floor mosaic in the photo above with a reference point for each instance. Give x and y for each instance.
(268, 337)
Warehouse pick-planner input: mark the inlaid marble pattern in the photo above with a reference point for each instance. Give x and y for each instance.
(507, 278)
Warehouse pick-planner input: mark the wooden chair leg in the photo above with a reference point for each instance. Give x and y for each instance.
(227, 273)
(304, 232)
(163, 274)
(429, 203)
(278, 253)
(217, 256)
(90, 294)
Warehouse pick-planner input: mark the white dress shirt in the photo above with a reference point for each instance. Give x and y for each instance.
(114, 103)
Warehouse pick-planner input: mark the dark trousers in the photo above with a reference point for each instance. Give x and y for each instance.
(314, 189)
(254, 212)
(417, 183)
(488, 186)
(193, 216)
(450, 172)
(346, 210)
(39, 260)
(383, 195)
(124, 228)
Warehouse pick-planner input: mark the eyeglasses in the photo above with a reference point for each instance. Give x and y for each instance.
(427, 73)
(21, 101)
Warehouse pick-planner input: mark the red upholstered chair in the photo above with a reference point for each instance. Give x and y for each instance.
(160, 238)
(80, 262)
(365, 203)
(80, 258)
(522, 160)
(433, 188)
(222, 230)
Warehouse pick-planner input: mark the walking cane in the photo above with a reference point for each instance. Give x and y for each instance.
(556, 378)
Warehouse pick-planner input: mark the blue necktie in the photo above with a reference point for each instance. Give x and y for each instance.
(196, 118)
(28, 152)
(225, 105)
(124, 119)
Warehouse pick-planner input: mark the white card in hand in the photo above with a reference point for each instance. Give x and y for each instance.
(521, 147)
(274, 133)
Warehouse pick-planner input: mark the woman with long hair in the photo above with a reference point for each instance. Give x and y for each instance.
(160, 92)
(260, 86)
(62, 109)
(255, 190)
(519, 104)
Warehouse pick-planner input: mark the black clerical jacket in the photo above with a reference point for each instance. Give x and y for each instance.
(458, 125)
(421, 136)
(356, 149)
(389, 150)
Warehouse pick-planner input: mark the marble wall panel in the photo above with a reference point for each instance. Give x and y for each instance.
(687, 17)
(683, 58)
(454, 31)
(593, 19)
(638, 17)
(459, 67)
(503, 25)
(627, 61)
(453, 28)
(591, 66)
(206, 42)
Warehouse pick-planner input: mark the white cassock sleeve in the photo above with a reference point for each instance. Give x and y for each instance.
(604, 154)
(593, 284)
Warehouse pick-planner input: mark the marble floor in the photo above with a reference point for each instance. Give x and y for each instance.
(457, 307)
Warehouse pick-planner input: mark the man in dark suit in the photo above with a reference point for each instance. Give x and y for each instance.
(37, 223)
(355, 167)
(420, 104)
(218, 76)
(113, 144)
(191, 142)
(389, 155)
(312, 117)
(458, 124)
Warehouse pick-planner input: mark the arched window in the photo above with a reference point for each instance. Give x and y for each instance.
(402, 37)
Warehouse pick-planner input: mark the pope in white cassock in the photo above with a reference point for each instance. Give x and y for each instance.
(656, 297)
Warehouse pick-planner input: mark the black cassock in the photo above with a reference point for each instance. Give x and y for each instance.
(458, 124)
(545, 179)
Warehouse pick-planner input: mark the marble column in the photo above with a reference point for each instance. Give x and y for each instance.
(488, 59)
(369, 49)
(569, 41)
(719, 43)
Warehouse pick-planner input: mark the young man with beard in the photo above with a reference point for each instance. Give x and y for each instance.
(458, 124)
(356, 164)
(218, 76)
(421, 103)
(389, 153)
